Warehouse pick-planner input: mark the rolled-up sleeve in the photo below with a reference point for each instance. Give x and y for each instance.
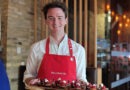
(31, 64)
(81, 65)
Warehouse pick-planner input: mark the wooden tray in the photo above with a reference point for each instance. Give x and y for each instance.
(49, 88)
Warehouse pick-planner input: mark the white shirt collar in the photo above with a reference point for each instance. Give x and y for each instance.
(65, 39)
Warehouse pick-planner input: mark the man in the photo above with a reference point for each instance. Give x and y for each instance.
(56, 56)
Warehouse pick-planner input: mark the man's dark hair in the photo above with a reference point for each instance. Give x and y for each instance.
(55, 4)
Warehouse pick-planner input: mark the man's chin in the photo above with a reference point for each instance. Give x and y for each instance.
(56, 29)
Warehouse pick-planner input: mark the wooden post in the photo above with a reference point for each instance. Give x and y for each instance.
(80, 21)
(99, 76)
(92, 35)
(66, 1)
(85, 23)
(95, 33)
(42, 20)
(35, 20)
(75, 20)
(92, 49)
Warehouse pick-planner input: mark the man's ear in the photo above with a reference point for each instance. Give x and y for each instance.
(66, 20)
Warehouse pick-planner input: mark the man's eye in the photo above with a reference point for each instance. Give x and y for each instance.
(51, 18)
(60, 18)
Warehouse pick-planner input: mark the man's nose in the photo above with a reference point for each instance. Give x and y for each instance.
(55, 20)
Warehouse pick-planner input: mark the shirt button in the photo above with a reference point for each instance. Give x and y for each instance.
(72, 59)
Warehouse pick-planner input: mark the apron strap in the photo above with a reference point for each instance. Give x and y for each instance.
(47, 46)
(70, 47)
(69, 44)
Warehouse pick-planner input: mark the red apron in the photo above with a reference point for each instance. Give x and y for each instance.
(58, 66)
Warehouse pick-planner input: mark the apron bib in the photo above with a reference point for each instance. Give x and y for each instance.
(58, 66)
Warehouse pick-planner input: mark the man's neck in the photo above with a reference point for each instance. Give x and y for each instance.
(58, 37)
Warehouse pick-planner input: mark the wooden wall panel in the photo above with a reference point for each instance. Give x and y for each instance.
(92, 50)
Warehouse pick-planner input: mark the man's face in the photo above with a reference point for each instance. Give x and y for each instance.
(56, 20)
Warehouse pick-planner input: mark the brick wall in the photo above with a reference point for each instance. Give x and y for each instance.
(19, 36)
(17, 27)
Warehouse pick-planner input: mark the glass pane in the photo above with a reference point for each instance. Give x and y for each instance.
(120, 38)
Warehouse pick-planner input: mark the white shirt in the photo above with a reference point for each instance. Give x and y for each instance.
(38, 50)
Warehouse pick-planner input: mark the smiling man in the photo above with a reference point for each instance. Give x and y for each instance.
(57, 56)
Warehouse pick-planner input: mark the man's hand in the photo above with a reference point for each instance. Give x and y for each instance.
(32, 81)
